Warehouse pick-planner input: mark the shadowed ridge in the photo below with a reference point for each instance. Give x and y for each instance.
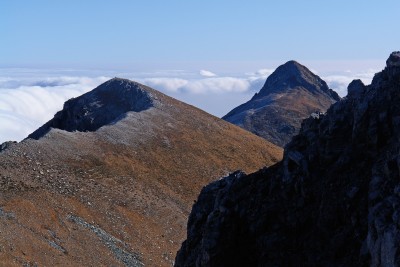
(293, 74)
(103, 105)
(290, 94)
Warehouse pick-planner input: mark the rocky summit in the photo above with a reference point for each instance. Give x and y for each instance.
(110, 180)
(289, 95)
(334, 199)
(99, 107)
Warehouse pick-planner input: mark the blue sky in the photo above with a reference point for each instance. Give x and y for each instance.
(124, 33)
(211, 54)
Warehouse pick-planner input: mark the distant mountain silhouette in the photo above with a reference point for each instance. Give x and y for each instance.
(290, 94)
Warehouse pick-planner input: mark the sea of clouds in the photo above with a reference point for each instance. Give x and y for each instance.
(29, 98)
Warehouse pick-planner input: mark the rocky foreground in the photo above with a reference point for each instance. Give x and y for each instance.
(334, 200)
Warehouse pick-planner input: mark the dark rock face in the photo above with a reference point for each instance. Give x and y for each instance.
(334, 200)
(355, 89)
(289, 95)
(394, 60)
(103, 105)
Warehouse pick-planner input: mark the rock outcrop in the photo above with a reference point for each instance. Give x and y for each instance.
(289, 95)
(6, 145)
(103, 105)
(334, 200)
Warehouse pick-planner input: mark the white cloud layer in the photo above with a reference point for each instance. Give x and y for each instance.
(199, 86)
(339, 82)
(26, 104)
(209, 83)
(167, 84)
(218, 85)
(28, 100)
(206, 73)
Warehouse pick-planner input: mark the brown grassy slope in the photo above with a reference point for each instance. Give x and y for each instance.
(120, 194)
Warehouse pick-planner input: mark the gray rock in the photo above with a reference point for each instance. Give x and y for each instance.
(117, 247)
(104, 105)
(6, 145)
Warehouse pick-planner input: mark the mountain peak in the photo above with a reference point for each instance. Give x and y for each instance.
(103, 105)
(293, 68)
(118, 85)
(290, 68)
(393, 60)
(122, 83)
(393, 66)
(291, 93)
(290, 75)
(294, 65)
(391, 73)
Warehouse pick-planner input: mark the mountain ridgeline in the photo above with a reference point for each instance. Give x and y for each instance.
(100, 107)
(290, 94)
(110, 180)
(332, 201)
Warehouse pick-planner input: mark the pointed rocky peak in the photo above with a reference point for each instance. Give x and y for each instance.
(103, 105)
(121, 87)
(292, 68)
(290, 94)
(355, 88)
(291, 75)
(391, 74)
(393, 60)
(393, 66)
